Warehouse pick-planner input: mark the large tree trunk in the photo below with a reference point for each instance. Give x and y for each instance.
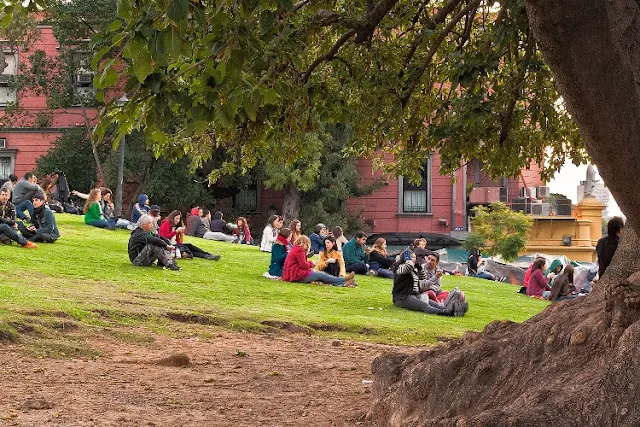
(291, 204)
(593, 49)
(574, 364)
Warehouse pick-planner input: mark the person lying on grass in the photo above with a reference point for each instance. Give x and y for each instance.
(145, 246)
(298, 269)
(331, 261)
(410, 281)
(279, 251)
(43, 228)
(8, 225)
(172, 229)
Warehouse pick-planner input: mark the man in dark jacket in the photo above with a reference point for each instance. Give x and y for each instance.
(145, 246)
(43, 228)
(200, 224)
(8, 226)
(607, 245)
(219, 230)
(23, 192)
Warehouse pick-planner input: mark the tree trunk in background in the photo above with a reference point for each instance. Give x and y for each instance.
(291, 204)
(574, 364)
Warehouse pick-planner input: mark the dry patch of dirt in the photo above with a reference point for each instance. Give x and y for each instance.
(232, 379)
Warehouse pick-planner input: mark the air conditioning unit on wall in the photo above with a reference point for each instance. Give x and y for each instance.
(541, 209)
(543, 192)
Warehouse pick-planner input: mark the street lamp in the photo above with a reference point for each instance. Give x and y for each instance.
(118, 208)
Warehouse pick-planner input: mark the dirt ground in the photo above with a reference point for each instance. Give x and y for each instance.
(233, 379)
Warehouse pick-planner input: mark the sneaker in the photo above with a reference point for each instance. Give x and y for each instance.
(30, 245)
(349, 277)
(372, 273)
(460, 308)
(349, 283)
(504, 279)
(213, 257)
(172, 267)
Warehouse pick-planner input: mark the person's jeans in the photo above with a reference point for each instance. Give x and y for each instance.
(25, 205)
(321, 276)
(483, 275)
(357, 267)
(12, 234)
(414, 303)
(150, 253)
(380, 271)
(35, 236)
(101, 223)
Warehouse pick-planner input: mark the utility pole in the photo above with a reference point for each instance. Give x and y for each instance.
(118, 204)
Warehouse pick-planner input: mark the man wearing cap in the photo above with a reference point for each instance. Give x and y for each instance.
(43, 228)
(23, 192)
(317, 238)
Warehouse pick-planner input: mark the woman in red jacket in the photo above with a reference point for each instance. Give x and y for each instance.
(298, 269)
(172, 229)
(538, 284)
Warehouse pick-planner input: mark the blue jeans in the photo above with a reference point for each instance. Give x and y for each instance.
(321, 276)
(12, 234)
(483, 275)
(380, 271)
(101, 223)
(358, 268)
(21, 208)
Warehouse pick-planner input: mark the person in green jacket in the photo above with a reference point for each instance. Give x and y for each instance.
(356, 254)
(279, 252)
(554, 269)
(93, 211)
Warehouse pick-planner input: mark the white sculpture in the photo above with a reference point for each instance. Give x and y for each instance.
(590, 182)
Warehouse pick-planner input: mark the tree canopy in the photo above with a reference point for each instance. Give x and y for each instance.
(253, 78)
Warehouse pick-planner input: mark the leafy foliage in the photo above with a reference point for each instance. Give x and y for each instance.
(499, 231)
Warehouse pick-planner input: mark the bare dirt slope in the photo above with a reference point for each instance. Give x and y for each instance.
(233, 379)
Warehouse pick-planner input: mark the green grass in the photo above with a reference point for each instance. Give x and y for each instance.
(85, 279)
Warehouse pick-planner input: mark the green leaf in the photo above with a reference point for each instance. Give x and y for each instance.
(142, 65)
(108, 78)
(249, 107)
(114, 26)
(287, 4)
(100, 95)
(269, 96)
(225, 115)
(266, 21)
(172, 42)
(178, 9)
(98, 56)
(6, 20)
(124, 10)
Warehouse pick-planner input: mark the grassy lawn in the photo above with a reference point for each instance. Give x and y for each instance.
(85, 279)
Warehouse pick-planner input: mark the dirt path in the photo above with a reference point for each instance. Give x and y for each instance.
(234, 379)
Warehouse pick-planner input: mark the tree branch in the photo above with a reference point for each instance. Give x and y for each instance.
(329, 55)
(434, 48)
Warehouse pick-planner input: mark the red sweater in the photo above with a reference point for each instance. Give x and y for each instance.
(537, 284)
(296, 267)
(167, 231)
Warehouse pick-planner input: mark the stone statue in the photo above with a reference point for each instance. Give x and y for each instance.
(590, 181)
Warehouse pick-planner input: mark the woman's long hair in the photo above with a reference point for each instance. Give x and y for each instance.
(377, 246)
(293, 225)
(333, 248)
(94, 194)
(172, 216)
(538, 264)
(304, 242)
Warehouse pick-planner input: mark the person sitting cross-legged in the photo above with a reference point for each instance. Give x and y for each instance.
(145, 246)
(408, 282)
(8, 225)
(43, 227)
(219, 230)
(331, 260)
(356, 254)
(23, 193)
(298, 269)
(379, 260)
(93, 213)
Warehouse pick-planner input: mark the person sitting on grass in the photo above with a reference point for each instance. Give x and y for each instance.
(421, 251)
(43, 227)
(607, 245)
(538, 284)
(140, 208)
(270, 232)
(339, 236)
(296, 231)
(379, 260)
(408, 284)
(196, 212)
(298, 269)
(320, 232)
(172, 229)
(331, 261)
(154, 212)
(356, 254)
(554, 269)
(219, 230)
(563, 287)
(9, 184)
(93, 214)
(145, 246)
(475, 267)
(200, 224)
(243, 234)
(433, 279)
(23, 193)
(279, 251)
(8, 225)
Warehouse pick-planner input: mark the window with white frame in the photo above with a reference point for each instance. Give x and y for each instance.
(6, 167)
(415, 198)
(7, 93)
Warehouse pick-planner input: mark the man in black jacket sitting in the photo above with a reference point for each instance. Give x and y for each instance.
(8, 226)
(145, 246)
(607, 245)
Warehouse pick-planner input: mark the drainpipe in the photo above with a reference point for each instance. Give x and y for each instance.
(454, 183)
